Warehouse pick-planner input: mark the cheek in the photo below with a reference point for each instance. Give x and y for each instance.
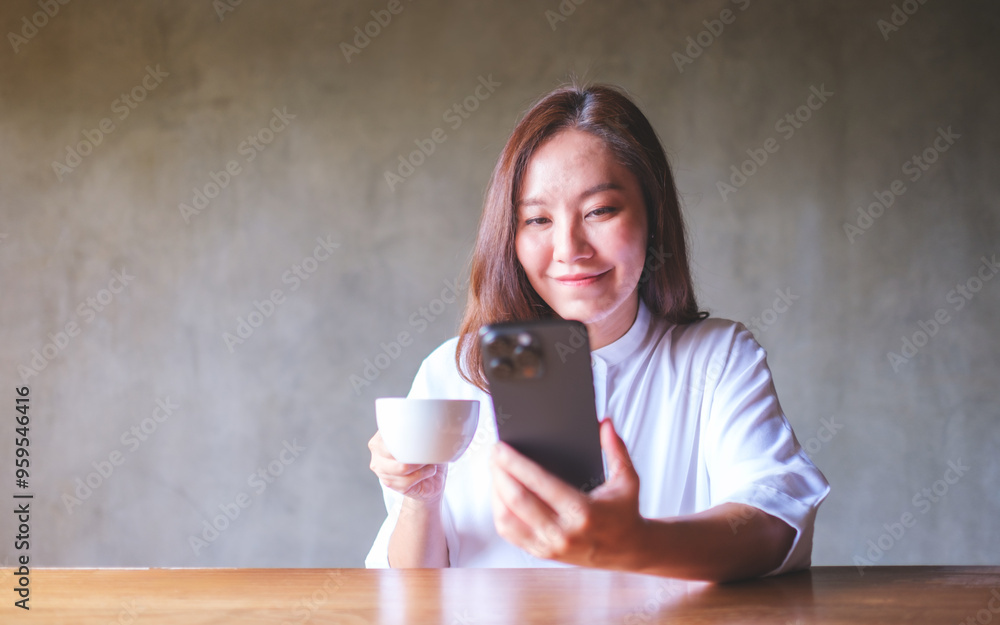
(631, 247)
(519, 250)
(530, 253)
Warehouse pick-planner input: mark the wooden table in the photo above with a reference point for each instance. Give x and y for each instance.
(939, 595)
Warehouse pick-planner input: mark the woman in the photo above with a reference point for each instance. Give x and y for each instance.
(706, 479)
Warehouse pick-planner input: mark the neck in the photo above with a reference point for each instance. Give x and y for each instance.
(614, 326)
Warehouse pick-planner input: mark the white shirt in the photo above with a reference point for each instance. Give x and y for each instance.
(697, 410)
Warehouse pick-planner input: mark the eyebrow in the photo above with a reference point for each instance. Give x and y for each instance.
(597, 188)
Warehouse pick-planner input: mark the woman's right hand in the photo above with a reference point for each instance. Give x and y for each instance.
(423, 483)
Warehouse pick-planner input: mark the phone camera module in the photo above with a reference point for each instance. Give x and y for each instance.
(512, 355)
(528, 361)
(498, 344)
(502, 368)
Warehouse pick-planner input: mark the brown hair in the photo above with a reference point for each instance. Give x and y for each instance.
(498, 287)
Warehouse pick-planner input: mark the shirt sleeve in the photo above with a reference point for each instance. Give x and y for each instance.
(427, 384)
(753, 456)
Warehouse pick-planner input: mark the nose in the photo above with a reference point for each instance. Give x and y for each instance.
(570, 243)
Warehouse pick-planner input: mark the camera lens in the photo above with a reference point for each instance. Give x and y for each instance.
(528, 361)
(503, 368)
(498, 344)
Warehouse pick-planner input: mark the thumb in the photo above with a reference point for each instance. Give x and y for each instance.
(619, 462)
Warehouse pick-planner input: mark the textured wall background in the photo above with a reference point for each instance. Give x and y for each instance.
(143, 384)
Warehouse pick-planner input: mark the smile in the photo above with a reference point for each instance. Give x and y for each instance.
(581, 279)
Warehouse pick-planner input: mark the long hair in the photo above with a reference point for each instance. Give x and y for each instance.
(499, 289)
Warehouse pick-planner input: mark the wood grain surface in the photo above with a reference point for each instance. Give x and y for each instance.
(938, 595)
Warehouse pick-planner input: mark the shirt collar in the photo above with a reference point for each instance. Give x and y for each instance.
(629, 342)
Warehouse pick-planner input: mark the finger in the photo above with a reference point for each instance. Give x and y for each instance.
(388, 465)
(412, 469)
(523, 503)
(378, 447)
(619, 461)
(555, 493)
(416, 487)
(384, 462)
(511, 528)
(403, 482)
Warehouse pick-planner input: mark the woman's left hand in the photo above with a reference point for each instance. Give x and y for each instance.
(550, 519)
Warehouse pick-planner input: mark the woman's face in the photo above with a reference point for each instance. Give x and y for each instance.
(581, 233)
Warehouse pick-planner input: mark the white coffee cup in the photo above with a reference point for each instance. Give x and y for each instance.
(426, 431)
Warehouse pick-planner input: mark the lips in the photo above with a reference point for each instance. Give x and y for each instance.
(581, 279)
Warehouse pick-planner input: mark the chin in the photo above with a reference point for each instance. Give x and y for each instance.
(585, 312)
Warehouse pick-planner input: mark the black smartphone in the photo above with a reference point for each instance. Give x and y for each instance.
(543, 396)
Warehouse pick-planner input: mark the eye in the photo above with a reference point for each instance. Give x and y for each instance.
(603, 211)
(531, 221)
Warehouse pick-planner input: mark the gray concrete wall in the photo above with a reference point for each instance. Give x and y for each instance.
(144, 386)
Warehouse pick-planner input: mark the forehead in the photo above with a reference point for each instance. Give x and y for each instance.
(569, 161)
